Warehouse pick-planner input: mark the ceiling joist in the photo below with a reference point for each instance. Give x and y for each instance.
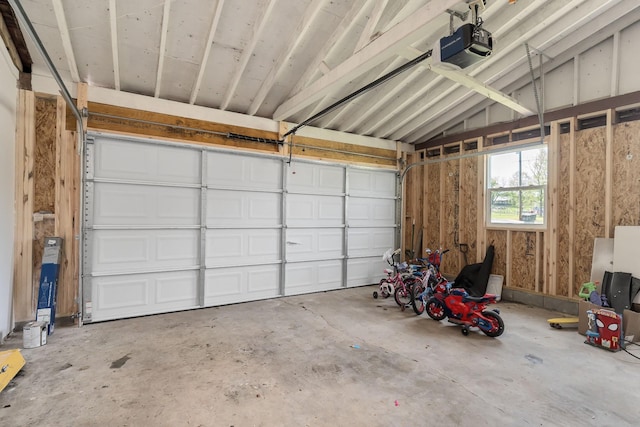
(283, 61)
(66, 39)
(413, 29)
(113, 21)
(163, 45)
(207, 51)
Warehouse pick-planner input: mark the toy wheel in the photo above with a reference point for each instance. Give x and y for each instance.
(555, 325)
(375, 295)
(497, 325)
(465, 331)
(416, 302)
(435, 309)
(402, 296)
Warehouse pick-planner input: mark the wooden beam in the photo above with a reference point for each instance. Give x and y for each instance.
(586, 108)
(481, 226)
(82, 102)
(538, 246)
(247, 52)
(207, 50)
(572, 204)
(507, 275)
(284, 60)
(482, 88)
(24, 297)
(553, 200)
(163, 45)
(413, 29)
(113, 25)
(335, 41)
(58, 9)
(374, 18)
(67, 220)
(608, 176)
(10, 45)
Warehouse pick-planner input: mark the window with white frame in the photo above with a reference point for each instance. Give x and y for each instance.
(517, 184)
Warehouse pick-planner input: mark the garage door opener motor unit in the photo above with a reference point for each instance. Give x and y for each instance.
(467, 45)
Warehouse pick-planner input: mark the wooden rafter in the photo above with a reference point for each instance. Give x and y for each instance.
(163, 45)
(413, 29)
(409, 124)
(114, 43)
(247, 53)
(283, 60)
(207, 51)
(372, 22)
(339, 35)
(58, 10)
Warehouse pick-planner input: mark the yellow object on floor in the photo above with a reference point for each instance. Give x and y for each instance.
(559, 321)
(11, 361)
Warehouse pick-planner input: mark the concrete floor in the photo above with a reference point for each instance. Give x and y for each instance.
(294, 361)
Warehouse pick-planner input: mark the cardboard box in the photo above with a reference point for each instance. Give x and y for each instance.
(34, 334)
(631, 325)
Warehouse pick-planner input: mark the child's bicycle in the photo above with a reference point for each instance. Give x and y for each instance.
(398, 280)
(431, 282)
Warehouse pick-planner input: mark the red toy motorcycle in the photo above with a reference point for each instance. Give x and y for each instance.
(465, 310)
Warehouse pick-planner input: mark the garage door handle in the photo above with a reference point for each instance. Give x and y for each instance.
(293, 243)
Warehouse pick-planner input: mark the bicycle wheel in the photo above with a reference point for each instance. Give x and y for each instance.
(416, 299)
(402, 295)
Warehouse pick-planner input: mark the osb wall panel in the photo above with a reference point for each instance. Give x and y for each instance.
(626, 174)
(562, 264)
(523, 260)
(498, 238)
(413, 187)
(44, 167)
(469, 206)
(431, 205)
(590, 200)
(451, 215)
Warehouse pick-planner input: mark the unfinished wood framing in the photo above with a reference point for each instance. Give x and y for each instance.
(608, 176)
(23, 292)
(67, 219)
(593, 185)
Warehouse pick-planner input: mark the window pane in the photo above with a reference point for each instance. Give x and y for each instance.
(517, 206)
(534, 167)
(503, 170)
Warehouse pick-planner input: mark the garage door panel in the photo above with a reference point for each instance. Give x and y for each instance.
(229, 285)
(243, 172)
(304, 277)
(116, 297)
(125, 160)
(315, 179)
(241, 247)
(318, 243)
(243, 209)
(314, 210)
(370, 241)
(117, 204)
(143, 250)
(365, 271)
(370, 183)
(371, 212)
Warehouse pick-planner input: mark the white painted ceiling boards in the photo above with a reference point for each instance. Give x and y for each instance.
(289, 59)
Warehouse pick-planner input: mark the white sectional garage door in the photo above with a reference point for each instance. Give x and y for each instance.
(172, 227)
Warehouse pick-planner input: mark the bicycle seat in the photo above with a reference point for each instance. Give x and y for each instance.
(484, 298)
